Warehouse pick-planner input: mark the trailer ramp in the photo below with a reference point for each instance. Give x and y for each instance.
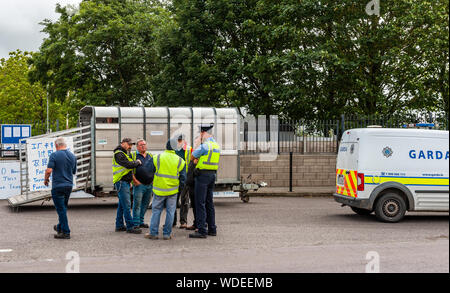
(22, 199)
(82, 149)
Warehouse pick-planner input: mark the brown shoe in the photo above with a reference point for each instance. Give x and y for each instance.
(183, 226)
(149, 236)
(191, 228)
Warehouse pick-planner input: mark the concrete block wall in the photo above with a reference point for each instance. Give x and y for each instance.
(307, 170)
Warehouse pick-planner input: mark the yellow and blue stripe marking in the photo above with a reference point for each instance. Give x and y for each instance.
(406, 180)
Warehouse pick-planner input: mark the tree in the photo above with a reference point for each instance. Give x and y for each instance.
(219, 55)
(298, 59)
(19, 99)
(22, 101)
(307, 59)
(103, 53)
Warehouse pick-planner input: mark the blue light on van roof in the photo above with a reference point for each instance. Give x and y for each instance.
(424, 124)
(418, 125)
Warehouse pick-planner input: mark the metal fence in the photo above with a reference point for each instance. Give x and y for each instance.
(272, 135)
(440, 121)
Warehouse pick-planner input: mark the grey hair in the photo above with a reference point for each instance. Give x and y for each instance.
(140, 140)
(60, 141)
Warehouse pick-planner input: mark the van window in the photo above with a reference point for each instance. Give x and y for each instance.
(107, 120)
(348, 156)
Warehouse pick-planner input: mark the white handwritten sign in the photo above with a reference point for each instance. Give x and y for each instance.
(9, 179)
(38, 153)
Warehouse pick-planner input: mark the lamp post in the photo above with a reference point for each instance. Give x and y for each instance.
(47, 110)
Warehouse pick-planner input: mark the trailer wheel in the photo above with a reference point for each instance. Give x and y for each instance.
(362, 212)
(390, 208)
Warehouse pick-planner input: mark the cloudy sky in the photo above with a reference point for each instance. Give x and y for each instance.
(19, 23)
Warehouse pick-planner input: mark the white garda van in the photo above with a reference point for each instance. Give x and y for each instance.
(391, 171)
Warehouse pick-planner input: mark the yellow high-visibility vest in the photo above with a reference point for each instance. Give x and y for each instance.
(210, 161)
(118, 170)
(187, 156)
(168, 167)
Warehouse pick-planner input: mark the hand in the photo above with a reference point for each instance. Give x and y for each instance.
(195, 161)
(135, 181)
(139, 161)
(46, 182)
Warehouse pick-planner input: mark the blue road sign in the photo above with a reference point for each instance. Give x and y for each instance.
(12, 133)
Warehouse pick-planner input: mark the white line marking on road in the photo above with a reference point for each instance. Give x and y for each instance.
(6, 250)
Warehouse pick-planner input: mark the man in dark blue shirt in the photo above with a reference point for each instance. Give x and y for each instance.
(142, 181)
(63, 165)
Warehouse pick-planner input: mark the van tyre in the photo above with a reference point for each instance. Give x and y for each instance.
(390, 208)
(362, 212)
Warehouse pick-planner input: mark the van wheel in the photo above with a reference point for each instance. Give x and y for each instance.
(362, 212)
(390, 208)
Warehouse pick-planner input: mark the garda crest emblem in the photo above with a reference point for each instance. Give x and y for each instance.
(387, 152)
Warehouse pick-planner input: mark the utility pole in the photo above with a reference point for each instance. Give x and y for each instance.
(47, 110)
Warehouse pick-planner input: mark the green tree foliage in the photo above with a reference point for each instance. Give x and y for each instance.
(21, 100)
(295, 58)
(219, 55)
(307, 58)
(357, 63)
(103, 53)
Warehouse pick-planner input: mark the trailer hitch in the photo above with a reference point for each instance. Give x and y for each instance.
(244, 187)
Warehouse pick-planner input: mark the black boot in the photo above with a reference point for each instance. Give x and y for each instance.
(62, 236)
(197, 235)
(134, 230)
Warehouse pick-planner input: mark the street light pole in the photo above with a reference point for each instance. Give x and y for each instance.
(47, 109)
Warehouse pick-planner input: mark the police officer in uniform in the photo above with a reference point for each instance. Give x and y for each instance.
(207, 157)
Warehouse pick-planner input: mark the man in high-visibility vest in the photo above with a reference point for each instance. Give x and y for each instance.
(142, 183)
(122, 167)
(169, 178)
(207, 157)
(185, 152)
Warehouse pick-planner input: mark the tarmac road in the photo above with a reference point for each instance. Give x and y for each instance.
(267, 235)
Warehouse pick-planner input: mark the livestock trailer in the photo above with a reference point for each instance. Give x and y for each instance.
(157, 125)
(101, 130)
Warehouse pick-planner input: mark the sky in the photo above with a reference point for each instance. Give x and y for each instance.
(19, 23)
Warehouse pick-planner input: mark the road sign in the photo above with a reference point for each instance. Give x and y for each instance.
(12, 133)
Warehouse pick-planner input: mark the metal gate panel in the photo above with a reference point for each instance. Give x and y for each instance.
(82, 149)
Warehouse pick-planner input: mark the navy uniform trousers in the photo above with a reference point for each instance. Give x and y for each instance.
(204, 206)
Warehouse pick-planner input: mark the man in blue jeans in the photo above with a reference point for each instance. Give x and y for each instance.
(122, 167)
(169, 177)
(142, 181)
(63, 165)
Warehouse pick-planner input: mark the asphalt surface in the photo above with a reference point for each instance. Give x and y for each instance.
(267, 235)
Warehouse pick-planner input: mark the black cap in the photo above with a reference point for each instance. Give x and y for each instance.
(206, 127)
(128, 140)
